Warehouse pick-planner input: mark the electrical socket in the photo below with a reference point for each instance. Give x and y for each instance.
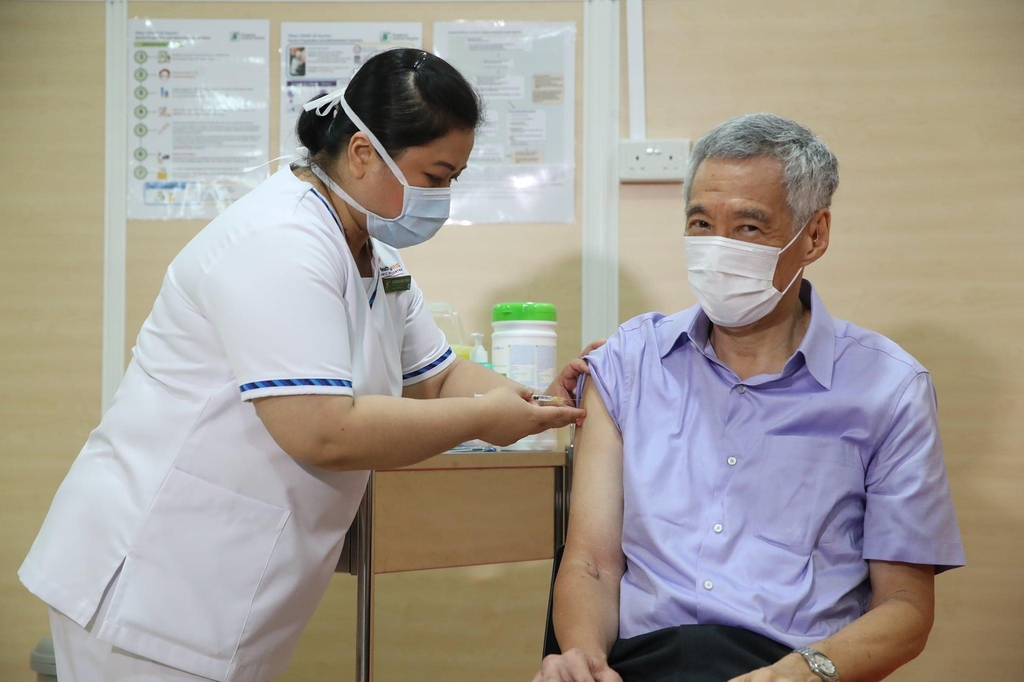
(653, 160)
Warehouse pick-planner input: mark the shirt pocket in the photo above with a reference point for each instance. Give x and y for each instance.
(807, 486)
(192, 573)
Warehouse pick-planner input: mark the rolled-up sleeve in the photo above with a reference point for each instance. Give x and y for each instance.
(909, 515)
(609, 370)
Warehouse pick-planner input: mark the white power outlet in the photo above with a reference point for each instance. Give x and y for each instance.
(653, 160)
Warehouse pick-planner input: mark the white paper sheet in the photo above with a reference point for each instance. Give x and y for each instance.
(199, 97)
(319, 57)
(522, 169)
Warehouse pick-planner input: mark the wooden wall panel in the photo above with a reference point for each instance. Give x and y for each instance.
(51, 279)
(922, 101)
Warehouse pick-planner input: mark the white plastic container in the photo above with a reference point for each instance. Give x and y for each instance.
(524, 347)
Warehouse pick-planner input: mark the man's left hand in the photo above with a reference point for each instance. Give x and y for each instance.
(792, 668)
(565, 385)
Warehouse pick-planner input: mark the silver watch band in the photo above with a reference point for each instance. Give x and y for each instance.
(821, 665)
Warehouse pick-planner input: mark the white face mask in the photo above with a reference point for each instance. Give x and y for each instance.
(732, 279)
(424, 209)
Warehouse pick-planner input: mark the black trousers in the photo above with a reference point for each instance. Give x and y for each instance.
(693, 653)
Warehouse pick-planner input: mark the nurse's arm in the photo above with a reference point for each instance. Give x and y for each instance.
(340, 433)
(461, 379)
(586, 596)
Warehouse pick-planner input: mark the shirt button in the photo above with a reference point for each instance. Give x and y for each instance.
(718, 527)
(741, 389)
(731, 461)
(708, 584)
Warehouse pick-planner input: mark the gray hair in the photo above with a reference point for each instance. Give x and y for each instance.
(810, 170)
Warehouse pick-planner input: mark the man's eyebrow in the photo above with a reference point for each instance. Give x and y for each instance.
(695, 208)
(751, 214)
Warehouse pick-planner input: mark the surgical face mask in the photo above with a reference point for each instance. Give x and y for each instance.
(732, 279)
(424, 209)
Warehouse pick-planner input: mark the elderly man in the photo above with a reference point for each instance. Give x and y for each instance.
(760, 493)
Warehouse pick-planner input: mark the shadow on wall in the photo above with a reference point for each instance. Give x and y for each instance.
(975, 403)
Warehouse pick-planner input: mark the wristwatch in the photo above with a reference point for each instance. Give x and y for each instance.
(821, 665)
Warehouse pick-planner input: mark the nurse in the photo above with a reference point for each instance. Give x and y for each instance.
(288, 352)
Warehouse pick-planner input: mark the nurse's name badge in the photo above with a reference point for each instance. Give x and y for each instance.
(392, 284)
(395, 278)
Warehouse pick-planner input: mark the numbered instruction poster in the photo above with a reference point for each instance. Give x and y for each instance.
(318, 58)
(198, 115)
(522, 169)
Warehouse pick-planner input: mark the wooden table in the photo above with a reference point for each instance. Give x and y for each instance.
(455, 509)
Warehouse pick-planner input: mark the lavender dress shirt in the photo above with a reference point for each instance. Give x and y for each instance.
(759, 503)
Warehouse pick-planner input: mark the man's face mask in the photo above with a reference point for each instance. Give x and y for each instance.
(733, 279)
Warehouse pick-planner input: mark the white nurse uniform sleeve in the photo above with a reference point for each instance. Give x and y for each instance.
(425, 351)
(276, 298)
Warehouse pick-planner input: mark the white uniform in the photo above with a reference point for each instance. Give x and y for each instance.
(227, 543)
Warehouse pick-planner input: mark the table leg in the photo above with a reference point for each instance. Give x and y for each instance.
(364, 588)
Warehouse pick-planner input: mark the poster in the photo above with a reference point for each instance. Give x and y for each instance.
(522, 169)
(320, 57)
(198, 114)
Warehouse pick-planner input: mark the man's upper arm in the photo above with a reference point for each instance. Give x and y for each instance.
(595, 518)
(912, 583)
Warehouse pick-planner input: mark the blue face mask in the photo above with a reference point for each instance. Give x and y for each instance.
(424, 209)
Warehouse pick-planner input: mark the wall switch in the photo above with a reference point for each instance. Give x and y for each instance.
(653, 160)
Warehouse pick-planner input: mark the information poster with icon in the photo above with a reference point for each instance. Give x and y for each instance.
(522, 169)
(198, 115)
(320, 57)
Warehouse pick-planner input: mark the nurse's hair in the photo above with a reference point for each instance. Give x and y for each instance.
(810, 170)
(406, 97)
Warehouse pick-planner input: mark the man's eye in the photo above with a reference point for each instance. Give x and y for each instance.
(699, 224)
(750, 229)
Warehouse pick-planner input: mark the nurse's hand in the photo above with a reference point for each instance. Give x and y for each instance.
(512, 415)
(565, 385)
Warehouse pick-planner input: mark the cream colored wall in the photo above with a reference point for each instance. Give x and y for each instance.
(923, 103)
(51, 279)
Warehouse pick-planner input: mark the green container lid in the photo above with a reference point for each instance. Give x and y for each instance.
(516, 312)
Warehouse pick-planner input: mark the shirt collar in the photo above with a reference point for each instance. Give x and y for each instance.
(817, 349)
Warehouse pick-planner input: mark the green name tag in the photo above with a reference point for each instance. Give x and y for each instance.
(392, 284)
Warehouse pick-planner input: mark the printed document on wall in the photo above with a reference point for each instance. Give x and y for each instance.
(522, 169)
(320, 57)
(199, 105)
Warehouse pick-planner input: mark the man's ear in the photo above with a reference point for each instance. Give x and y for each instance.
(360, 150)
(818, 230)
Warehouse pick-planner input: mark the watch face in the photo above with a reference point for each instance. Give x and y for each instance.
(822, 661)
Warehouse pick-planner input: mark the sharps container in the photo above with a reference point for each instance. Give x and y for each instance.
(524, 347)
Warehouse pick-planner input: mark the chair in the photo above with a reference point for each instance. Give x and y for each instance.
(550, 642)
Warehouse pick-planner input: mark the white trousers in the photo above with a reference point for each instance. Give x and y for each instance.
(83, 658)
